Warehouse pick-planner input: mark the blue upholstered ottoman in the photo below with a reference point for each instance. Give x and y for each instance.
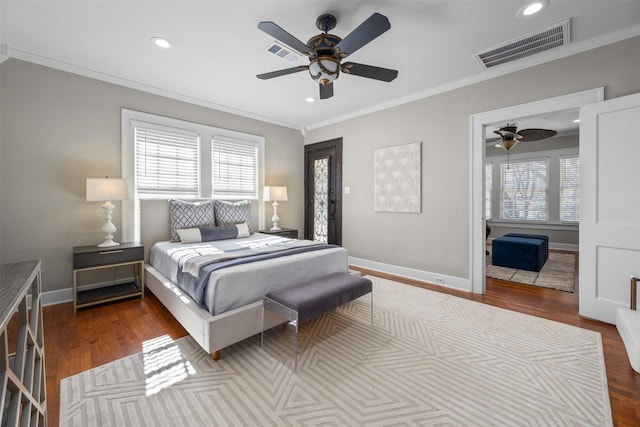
(534, 236)
(522, 253)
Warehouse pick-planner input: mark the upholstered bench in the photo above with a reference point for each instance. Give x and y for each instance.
(309, 299)
(518, 252)
(534, 236)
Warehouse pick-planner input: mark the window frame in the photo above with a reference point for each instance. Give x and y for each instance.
(554, 222)
(130, 208)
(562, 187)
(488, 190)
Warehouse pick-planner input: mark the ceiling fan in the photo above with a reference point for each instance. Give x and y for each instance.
(510, 136)
(326, 51)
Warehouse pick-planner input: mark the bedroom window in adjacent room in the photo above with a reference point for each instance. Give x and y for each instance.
(525, 187)
(488, 186)
(570, 189)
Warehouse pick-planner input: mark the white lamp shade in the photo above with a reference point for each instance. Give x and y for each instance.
(275, 194)
(324, 69)
(106, 189)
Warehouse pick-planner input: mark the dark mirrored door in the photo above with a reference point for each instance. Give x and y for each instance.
(323, 198)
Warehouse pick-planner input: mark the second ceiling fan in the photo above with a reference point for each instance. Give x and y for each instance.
(510, 136)
(326, 51)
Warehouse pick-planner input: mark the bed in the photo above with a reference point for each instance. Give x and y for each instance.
(237, 315)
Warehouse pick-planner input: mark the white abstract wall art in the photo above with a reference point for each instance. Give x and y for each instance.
(398, 178)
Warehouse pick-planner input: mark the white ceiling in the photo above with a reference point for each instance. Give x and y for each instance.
(218, 49)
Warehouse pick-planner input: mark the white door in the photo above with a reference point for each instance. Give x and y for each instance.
(610, 205)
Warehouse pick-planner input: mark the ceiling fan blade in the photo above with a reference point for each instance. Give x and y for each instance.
(536, 134)
(284, 72)
(369, 71)
(279, 34)
(326, 91)
(371, 28)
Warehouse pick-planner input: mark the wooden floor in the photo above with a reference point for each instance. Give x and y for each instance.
(94, 336)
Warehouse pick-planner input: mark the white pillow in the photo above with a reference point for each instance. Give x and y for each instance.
(189, 235)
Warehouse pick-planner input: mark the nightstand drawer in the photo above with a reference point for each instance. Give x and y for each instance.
(289, 233)
(92, 256)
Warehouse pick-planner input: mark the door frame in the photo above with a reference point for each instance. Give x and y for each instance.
(477, 124)
(319, 146)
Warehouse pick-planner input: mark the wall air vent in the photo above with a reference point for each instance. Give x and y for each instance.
(532, 44)
(283, 52)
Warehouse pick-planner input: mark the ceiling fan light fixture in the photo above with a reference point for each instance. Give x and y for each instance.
(324, 69)
(507, 143)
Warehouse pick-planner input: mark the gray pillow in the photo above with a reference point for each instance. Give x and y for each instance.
(183, 214)
(233, 213)
(223, 232)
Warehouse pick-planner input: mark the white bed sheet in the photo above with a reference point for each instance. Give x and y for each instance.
(239, 285)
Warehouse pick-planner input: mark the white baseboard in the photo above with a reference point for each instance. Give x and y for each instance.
(57, 297)
(447, 281)
(564, 247)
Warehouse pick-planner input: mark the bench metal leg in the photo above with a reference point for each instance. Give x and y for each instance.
(295, 358)
(262, 329)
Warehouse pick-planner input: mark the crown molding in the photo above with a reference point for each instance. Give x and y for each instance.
(548, 56)
(86, 72)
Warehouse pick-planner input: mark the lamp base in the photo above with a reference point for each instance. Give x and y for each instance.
(108, 243)
(108, 228)
(275, 219)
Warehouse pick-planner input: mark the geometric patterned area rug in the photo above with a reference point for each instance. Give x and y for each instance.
(557, 273)
(428, 359)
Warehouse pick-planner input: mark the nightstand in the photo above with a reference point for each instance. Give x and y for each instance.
(88, 258)
(290, 233)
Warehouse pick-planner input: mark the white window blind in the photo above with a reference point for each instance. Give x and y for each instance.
(488, 186)
(525, 188)
(235, 168)
(167, 162)
(570, 189)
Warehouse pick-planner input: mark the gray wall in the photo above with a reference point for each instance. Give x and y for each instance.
(58, 129)
(437, 240)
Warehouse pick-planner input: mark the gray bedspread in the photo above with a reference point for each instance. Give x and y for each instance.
(238, 285)
(194, 271)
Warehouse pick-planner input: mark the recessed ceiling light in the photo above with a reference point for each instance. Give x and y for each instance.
(533, 7)
(310, 99)
(162, 42)
(576, 121)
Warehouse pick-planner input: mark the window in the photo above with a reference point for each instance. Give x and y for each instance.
(167, 162)
(488, 186)
(234, 168)
(166, 158)
(525, 186)
(570, 189)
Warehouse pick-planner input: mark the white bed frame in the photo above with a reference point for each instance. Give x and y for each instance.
(213, 333)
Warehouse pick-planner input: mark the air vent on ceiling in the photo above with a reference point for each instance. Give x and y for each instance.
(282, 52)
(532, 44)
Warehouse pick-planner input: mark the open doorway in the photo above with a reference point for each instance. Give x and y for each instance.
(479, 124)
(532, 190)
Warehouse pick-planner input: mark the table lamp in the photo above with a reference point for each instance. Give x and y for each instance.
(275, 195)
(106, 190)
